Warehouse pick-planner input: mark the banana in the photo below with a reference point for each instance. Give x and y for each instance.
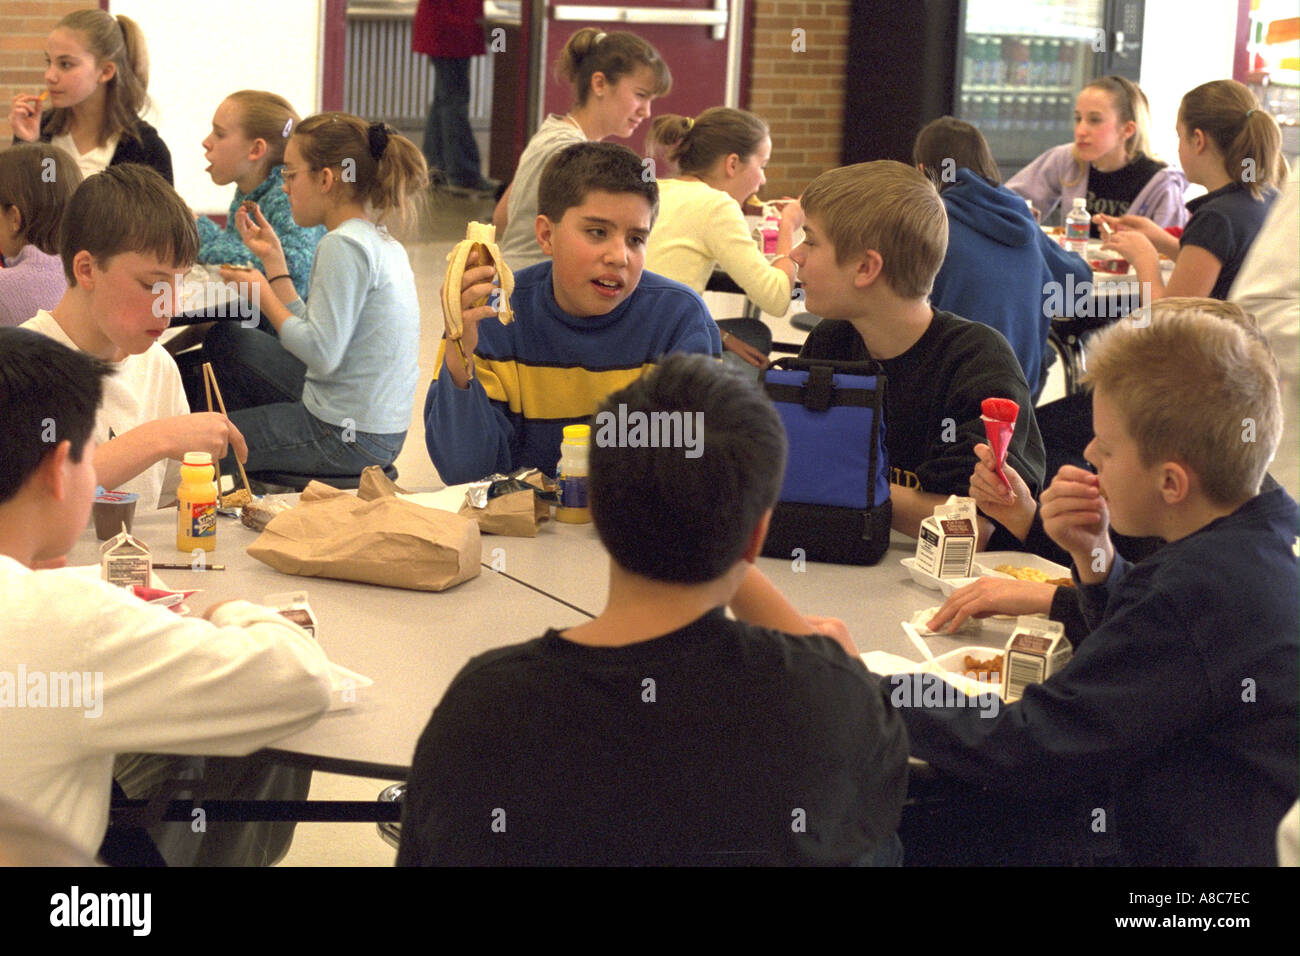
(482, 236)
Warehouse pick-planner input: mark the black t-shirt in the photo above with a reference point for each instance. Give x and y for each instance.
(1225, 222)
(1112, 193)
(720, 743)
(933, 393)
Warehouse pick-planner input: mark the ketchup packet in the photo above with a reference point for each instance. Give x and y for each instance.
(169, 599)
(999, 425)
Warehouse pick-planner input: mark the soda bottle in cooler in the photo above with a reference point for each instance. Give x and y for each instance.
(979, 72)
(1037, 64)
(969, 64)
(1037, 124)
(1019, 62)
(1023, 148)
(1065, 64)
(1052, 63)
(998, 52)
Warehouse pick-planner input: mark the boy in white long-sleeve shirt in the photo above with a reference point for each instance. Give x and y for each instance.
(87, 671)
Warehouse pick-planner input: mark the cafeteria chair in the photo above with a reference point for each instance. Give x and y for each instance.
(391, 830)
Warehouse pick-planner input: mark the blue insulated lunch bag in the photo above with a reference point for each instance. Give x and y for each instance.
(834, 502)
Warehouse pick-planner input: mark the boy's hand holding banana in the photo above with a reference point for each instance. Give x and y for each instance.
(468, 288)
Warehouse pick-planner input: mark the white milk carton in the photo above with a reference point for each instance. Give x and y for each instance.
(1036, 650)
(125, 560)
(945, 547)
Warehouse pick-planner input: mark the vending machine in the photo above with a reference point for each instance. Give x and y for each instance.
(1012, 69)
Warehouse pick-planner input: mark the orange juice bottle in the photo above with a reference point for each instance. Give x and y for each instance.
(571, 473)
(196, 506)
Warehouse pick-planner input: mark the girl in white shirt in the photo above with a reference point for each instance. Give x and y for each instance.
(720, 157)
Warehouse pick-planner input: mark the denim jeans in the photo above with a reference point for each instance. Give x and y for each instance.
(262, 386)
(448, 140)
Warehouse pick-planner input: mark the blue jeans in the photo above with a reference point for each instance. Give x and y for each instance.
(449, 143)
(262, 383)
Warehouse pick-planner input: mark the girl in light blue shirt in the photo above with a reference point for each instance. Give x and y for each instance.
(333, 393)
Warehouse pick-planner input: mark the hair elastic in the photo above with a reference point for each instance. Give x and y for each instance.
(1249, 112)
(377, 136)
(690, 123)
(599, 37)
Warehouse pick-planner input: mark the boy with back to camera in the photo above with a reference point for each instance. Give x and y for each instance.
(661, 732)
(587, 323)
(126, 236)
(133, 677)
(1171, 736)
(876, 234)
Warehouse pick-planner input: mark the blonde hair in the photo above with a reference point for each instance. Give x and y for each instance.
(268, 117)
(1130, 105)
(1248, 137)
(1194, 381)
(384, 169)
(694, 145)
(591, 51)
(118, 40)
(886, 206)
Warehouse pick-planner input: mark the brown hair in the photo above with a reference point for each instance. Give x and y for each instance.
(583, 168)
(1247, 136)
(696, 144)
(1194, 381)
(268, 117)
(127, 208)
(952, 139)
(121, 41)
(1130, 105)
(590, 51)
(886, 206)
(38, 179)
(385, 169)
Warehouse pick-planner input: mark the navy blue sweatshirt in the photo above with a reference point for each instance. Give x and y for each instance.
(997, 264)
(1180, 709)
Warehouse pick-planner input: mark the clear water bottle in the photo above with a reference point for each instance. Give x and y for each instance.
(1078, 224)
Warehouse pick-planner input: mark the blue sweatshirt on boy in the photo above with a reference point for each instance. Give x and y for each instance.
(548, 369)
(997, 264)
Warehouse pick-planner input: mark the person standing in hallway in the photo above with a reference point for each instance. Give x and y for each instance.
(450, 32)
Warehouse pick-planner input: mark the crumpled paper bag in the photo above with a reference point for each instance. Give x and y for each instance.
(388, 541)
(517, 513)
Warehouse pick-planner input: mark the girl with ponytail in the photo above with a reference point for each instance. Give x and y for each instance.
(96, 81)
(331, 391)
(1233, 148)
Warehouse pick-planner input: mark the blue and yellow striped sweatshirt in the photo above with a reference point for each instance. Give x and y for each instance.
(548, 369)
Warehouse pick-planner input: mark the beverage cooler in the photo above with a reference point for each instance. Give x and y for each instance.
(1012, 69)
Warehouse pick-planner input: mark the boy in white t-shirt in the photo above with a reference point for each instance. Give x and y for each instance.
(100, 672)
(126, 238)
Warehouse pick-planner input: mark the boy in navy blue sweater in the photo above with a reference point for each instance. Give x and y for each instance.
(1172, 736)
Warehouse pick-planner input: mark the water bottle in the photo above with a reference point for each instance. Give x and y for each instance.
(1078, 224)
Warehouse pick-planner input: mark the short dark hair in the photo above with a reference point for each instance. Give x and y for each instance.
(49, 393)
(952, 139)
(127, 208)
(668, 516)
(589, 167)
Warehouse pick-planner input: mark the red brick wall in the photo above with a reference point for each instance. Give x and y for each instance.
(800, 94)
(24, 25)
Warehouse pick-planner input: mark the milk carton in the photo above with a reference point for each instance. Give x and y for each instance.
(1036, 650)
(293, 606)
(124, 560)
(946, 545)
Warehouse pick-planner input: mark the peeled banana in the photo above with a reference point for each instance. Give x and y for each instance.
(482, 236)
